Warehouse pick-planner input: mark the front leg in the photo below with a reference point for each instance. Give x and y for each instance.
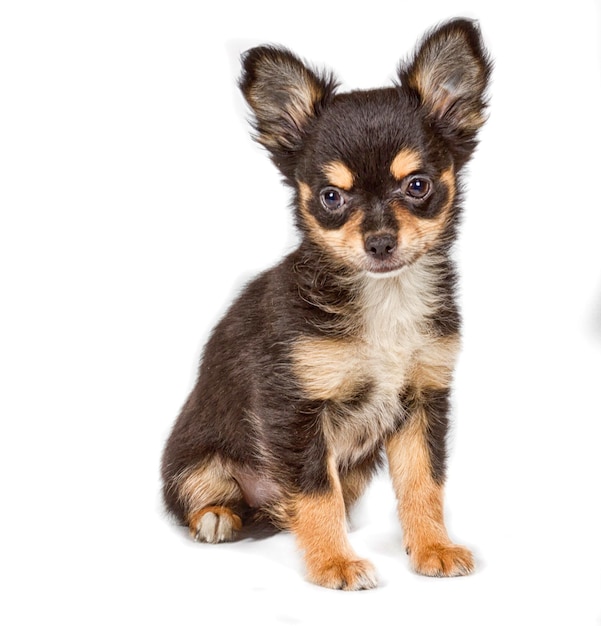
(319, 523)
(416, 457)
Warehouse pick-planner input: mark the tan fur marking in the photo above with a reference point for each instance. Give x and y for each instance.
(420, 504)
(448, 178)
(327, 367)
(304, 193)
(319, 524)
(405, 162)
(434, 365)
(344, 243)
(339, 175)
(208, 485)
(417, 235)
(347, 241)
(218, 510)
(194, 518)
(223, 525)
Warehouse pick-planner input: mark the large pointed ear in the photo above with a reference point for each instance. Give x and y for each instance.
(450, 73)
(285, 96)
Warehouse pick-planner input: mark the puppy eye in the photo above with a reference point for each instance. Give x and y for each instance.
(332, 199)
(417, 187)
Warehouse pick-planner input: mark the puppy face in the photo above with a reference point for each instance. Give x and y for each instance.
(375, 172)
(374, 189)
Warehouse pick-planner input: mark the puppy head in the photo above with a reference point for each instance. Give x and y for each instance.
(375, 172)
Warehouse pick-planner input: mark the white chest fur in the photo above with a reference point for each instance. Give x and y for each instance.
(395, 312)
(394, 333)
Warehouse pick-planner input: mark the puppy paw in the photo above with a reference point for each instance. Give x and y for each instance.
(214, 524)
(342, 573)
(442, 560)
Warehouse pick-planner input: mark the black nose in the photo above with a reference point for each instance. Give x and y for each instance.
(380, 245)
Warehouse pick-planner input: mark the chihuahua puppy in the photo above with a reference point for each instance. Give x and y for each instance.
(344, 352)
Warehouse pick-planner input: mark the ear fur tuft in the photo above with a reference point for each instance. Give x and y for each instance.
(285, 95)
(450, 72)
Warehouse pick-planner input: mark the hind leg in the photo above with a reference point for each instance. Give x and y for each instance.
(210, 498)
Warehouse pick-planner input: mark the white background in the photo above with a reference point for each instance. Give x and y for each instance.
(134, 205)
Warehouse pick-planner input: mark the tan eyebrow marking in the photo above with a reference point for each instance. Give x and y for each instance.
(405, 162)
(339, 175)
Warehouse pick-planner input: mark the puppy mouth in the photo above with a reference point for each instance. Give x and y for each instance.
(391, 264)
(385, 266)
